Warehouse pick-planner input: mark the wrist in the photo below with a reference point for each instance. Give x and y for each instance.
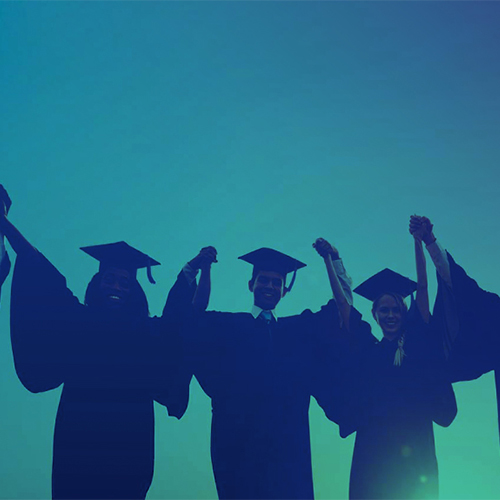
(194, 264)
(429, 239)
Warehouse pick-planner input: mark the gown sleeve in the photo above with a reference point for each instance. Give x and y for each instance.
(354, 364)
(216, 343)
(175, 373)
(470, 314)
(475, 348)
(331, 358)
(42, 310)
(429, 349)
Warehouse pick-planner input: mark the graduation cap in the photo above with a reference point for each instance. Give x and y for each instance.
(123, 256)
(267, 259)
(386, 281)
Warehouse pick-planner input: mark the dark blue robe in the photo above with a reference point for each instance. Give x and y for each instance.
(260, 378)
(112, 367)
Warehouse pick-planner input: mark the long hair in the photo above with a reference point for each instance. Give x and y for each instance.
(137, 303)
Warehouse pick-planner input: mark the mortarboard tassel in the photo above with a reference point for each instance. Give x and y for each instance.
(400, 352)
(289, 287)
(150, 275)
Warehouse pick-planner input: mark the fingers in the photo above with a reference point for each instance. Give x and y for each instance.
(324, 248)
(321, 242)
(208, 248)
(208, 254)
(427, 221)
(416, 227)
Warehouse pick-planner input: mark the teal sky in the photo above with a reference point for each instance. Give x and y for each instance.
(175, 125)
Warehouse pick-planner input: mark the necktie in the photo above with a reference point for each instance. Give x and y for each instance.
(267, 316)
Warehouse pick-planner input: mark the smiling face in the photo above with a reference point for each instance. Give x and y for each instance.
(389, 315)
(268, 288)
(115, 287)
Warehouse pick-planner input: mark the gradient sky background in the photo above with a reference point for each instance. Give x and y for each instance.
(174, 125)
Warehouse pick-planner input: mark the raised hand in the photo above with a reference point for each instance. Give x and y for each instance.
(416, 227)
(5, 201)
(421, 229)
(206, 257)
(324, 249)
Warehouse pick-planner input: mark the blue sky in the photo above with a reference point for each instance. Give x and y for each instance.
(174, 125)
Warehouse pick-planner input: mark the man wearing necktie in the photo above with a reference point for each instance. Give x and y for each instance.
(260, 373)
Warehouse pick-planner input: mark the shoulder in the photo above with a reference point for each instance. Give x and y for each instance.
(220, 318)
(361, 330)
(327, 310)
(414, 319)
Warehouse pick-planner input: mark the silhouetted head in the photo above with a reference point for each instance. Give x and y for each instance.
(268, 288)
(115, 286)
(115, 290)
(268, 282)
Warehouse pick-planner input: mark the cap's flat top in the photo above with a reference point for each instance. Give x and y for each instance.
(269, 259)
(386, 281)
(120, 254)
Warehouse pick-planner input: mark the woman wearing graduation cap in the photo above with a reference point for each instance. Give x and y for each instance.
(260, 371)
(112, 359)
(394, 390)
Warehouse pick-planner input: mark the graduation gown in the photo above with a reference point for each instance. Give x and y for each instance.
(392, 409)
(473, 342)
(112, 369)
(260, 378)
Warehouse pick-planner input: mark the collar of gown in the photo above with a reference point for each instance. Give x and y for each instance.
(256, 310)
(389, 343)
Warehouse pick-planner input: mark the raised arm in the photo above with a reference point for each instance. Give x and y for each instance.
(42, 310)
(17, 241)
(343, 297)
(203, 261)
(437, 253)
(176, 326)
(419, 230)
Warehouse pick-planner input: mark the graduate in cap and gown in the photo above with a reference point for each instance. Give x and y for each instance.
(394, 390)
(260, 371)
(112, 359)
(467, 314)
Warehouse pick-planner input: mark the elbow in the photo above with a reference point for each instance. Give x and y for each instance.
(37, 382)
(37, 386)
(447, 415)
(445, 420)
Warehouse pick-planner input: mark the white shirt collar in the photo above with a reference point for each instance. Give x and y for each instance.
(256, 310)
